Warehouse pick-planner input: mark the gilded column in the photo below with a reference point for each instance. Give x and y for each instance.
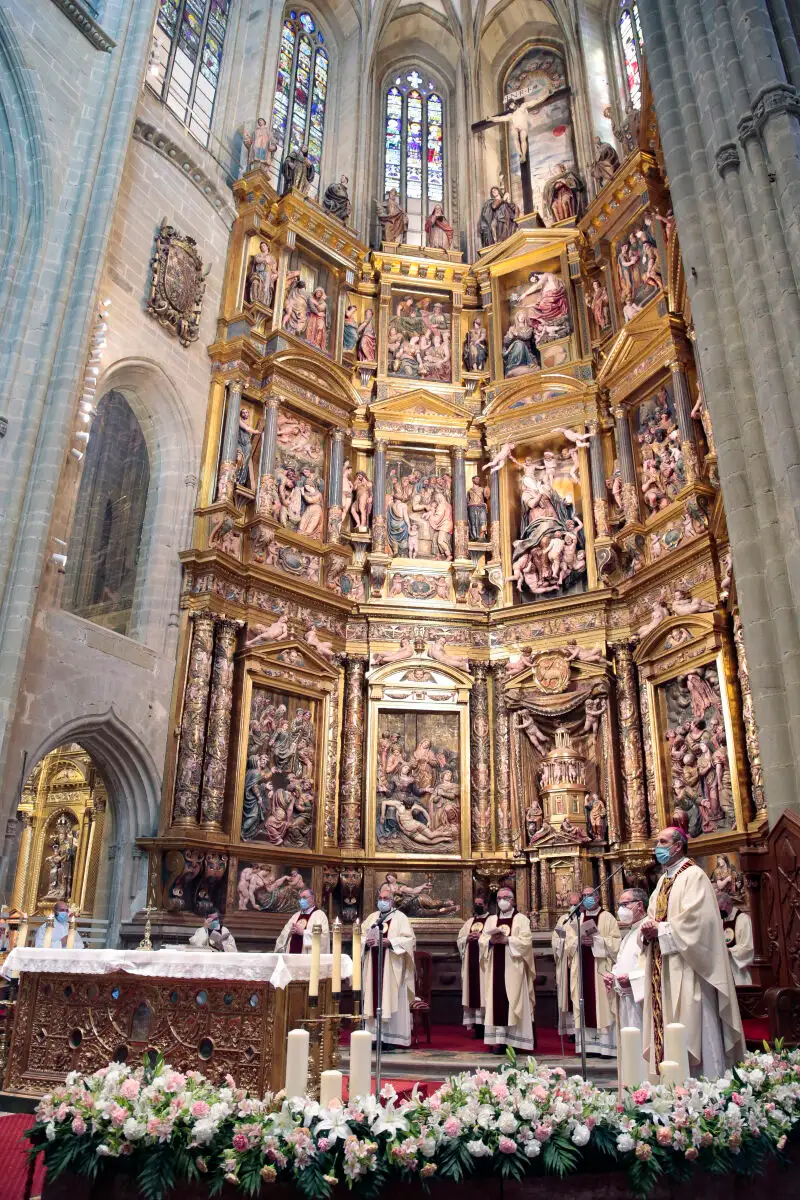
(633, 788)
(335, 474)
(750, 727)
(604, 893)
(683, 412)
(479, 759)
(352, 754)
(226, 478)
(598, 476)
(536, 891)
(266, 462)
(494, 514)
(189, 771)
(502, 769)
(215, 765)
(23, 862)
(379, 499)
(627, 467)
(460, 526)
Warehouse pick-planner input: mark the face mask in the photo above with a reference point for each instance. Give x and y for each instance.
(504, 905)
(214, 925)
(384, 905)
(589, 902)
(625, 915)
(62, 917)
(663, 855)
(305, 905)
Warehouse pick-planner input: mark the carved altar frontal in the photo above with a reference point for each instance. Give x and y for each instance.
(70, 1022)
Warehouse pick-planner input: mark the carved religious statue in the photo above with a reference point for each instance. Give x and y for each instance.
(605, 165)
(262, 276)
(394, 221)
(498, 219)
(258, 147)
(336, 200)
(476, 348)
(438, 232)
(61, 862)
(298, 171)
(564, 194)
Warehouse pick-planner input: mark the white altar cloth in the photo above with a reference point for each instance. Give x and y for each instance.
(173, 963)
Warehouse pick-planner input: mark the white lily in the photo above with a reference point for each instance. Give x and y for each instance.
(334, 1124)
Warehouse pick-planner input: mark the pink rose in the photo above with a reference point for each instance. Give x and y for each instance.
(175, 1082)
(78, 1126)
(240, 1141)
(130, 1089)
(507, 1145)
(199, 1108)
(153, 1126)
(737, 1098)
(499, 1091)
(452, 1127)
(539, 1092)
(706, 1139)
(664, 1136)
(641, 1096)
(692, 1153)
(542, 1132)
(118, 1115)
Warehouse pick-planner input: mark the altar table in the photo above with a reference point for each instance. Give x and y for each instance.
(215, 1013)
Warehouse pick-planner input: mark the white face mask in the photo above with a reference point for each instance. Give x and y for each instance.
(504, 905)
(625, 915)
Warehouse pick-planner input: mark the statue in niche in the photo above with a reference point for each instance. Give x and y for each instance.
(262, 276)
(534, 819)
(541, 315)
(336, 201)
(417, 783)
(61, 860)
(663, 472)
(247, 442)
(605, 165)
(298, 171)
(477, 510)
(295, 306)
(259, 147)
(698, 753)
(728, 878)
(598, 305)
(498, 219)
(317, 326)
(638, 270)
(549, 555)
(476, 348)
(394, 221)
(350, 330)
(564, 195)
(367, 339)
(520, 353)
(438, 231)
(596, 822)
(361, 507)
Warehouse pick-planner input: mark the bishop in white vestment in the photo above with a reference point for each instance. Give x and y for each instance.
(599, 944)
(688, 977)
(627, 974)
(295, 937)
(737, 929)
(399, 945)
(566, 1025)
(468, 940)
(507, 966)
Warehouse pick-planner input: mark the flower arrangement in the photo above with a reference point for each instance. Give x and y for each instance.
(517, 1121)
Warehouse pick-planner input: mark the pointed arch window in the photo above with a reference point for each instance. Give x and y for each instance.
(186, 59)
(301, 92)
(632, 45)
(413, 147)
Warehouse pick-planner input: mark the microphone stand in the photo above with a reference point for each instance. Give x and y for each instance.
(574, 914)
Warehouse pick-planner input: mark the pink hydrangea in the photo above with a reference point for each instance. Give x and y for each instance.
(199, 1108)
(499, 1090)
(130, 1089)
(175, 1082)
(452, 1127)
(641, 1096)
(506, 1145)
(78, 1126)
(539, 1092)
(119, 1115)
(435, 1102)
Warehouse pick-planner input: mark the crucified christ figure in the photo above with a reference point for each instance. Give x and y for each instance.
(516, 115)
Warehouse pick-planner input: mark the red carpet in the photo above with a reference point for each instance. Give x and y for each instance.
(460, 1039)
(14, 1158)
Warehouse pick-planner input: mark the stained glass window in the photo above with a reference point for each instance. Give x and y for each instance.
(186, 59)
(413, 147)
(630, 32)
(301, 92)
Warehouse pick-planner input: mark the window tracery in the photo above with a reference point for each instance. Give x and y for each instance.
(186, 59)
(632, 46)
(413, 149)
(301, 91)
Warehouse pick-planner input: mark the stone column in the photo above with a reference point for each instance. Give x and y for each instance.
(598, 475)
(502, 764)
(460, 525)
(226, 479)
(23, 862)
(627, 467)
(379, 499)
(494, 514)
(633, 788)
(189, 769)
(750, 727)
(480, 759)
(215, 766)
(335, 474)
(350, 791)
(266, 462)
(683, 412)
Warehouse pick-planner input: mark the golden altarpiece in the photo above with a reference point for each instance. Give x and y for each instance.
(458, 606)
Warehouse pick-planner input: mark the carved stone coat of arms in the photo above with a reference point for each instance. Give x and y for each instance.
(177, 284)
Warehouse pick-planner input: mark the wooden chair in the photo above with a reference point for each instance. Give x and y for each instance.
(783, 1010)
(421, 1004)
(753, 1008)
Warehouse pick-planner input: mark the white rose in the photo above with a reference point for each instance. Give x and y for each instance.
(526, 1110)
(625, 1143)
(581, 1135)
(507, 1123)
(560, 1110)
(757, 1077)
(485, 1116)
(478, 1149)
(133, 1130)
(533, 1148)
(428, 1147)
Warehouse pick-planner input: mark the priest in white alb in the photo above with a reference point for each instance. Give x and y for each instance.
(506, 949)
(737, 929)
(688, 978)
(468, 942)
(626, 978)
(295, 937)
(566, 1025)
(399, 945)
(598, 947)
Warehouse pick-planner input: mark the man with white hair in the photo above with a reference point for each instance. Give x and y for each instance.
(688, 977)
(399, 945)
(506, 948)
(626, 977)
(295, 937)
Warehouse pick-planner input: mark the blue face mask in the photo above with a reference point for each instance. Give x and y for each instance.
(589, 902)
(62, 917)
(384, 905)
(214, 925)
(305, 905)
(663, 855)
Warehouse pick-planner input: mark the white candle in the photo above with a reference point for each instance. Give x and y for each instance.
(71, 934)
(356, 956)
(670, 1072)
(676, 1048)
(630, 1061)
(316, 947)
(297, 1063)
(48, 932)
(330, 1087)
(360, 1063)
(336, 970)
